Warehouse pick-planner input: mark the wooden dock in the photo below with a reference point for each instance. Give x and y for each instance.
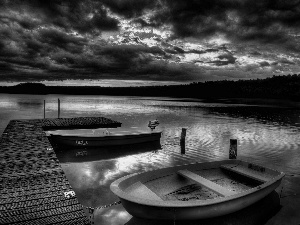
(33, 187)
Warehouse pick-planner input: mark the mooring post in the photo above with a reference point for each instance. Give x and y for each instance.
(183, 134)
(182, 147)
(58, 102)
(44, 109)
(233, 149)
(182, 140)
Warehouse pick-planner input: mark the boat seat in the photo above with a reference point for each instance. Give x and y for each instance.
(206, 183)
(142, 191)
(242, 170)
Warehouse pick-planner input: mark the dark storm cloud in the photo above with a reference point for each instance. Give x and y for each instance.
(4, 67)
(24, 22)
(195, 51)
(56, 38)
(127, 56)
(144, 23)
(264, 63)
(224, 60)
(69, 38)
(126, 62)
(120, 61)
(34, 47)
(255, 53)
(129, 8)
(166, 71)
(178, 50)
(283, 61)
(83, 16)
(286, 61)
(244, 20)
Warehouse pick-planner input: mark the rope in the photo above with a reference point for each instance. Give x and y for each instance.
(174, 216)
(294, 194)
(91, 210)
(109, 205)
(292, 174)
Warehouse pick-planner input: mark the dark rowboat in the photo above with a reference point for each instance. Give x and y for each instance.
(102, 137)
(195, 191)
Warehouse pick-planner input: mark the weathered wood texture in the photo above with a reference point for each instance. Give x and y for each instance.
(32, 182)
(78, 122)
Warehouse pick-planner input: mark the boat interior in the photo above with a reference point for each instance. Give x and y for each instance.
(190, 183)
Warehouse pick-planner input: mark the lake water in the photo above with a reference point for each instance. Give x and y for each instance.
(268, 135)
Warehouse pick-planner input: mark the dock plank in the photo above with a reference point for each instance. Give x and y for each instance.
(32, 182)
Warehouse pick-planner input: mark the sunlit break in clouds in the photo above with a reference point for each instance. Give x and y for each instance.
(174, 41)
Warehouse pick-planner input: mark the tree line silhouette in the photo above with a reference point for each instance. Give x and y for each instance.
(276, 87)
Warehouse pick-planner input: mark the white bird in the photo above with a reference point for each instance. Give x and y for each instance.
(153, 123)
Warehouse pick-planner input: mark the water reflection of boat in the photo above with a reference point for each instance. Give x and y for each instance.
(195, 191)
(107, 152)
(83, 138)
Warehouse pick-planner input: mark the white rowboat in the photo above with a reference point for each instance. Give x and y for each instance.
(195, 191)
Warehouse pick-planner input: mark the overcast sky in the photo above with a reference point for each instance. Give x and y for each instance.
(152, 40)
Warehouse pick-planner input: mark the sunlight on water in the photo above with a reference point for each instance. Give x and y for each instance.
(269, 136)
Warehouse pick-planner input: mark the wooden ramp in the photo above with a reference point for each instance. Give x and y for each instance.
(33, 187)
(253, 174)
(206, 183)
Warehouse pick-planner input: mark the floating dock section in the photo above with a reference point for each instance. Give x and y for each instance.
(33, 187)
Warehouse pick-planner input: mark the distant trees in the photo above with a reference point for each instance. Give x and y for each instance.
(276, 87)
(30, 88)
(30, 85)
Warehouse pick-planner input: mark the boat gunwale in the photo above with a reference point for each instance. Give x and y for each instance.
(123, 195)
(106, 136)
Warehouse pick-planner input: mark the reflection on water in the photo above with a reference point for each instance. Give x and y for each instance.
(266, 135)
(31, 103)
(66, 155)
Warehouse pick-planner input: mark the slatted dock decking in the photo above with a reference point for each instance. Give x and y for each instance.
(33, 186)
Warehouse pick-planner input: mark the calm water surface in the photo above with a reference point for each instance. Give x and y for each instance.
(267, 135)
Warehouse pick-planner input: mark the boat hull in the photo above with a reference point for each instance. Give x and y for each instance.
(155, 208)
(82, 141)
(195, 212)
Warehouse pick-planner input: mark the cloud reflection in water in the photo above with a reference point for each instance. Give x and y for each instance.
(92, 179)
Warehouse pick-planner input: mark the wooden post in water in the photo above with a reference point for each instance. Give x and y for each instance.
(183, 134)
(182, 147)
(233, 149)
(58, 108)
(182, 140)
(44, 109)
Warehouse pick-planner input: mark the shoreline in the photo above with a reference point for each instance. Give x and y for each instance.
(266, 102)
(284, 103)
(281, 88)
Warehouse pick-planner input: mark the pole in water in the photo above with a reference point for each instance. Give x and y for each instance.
(182, 147)
(183, 134)
(233, 149)
(58, 103)
(44, 109)
(182, 140)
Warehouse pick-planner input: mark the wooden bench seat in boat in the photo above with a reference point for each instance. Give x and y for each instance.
(142, 191)
(206, 183)
(245, 171)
